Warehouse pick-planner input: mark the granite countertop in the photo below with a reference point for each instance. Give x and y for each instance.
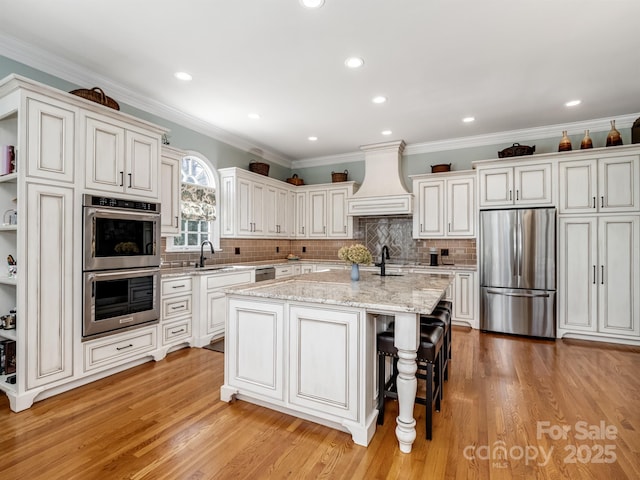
(169, 271)
(412, 293)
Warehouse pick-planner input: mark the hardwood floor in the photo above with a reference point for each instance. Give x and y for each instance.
(165, 420)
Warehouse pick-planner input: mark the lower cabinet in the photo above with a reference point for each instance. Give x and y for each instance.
(177, 311)
(119, 348)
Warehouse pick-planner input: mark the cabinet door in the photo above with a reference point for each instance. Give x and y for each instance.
(461, 208)
(301, 214)
(245, 207)
(533, 184)
(290, 218)
(255, 357)
(619, 275)
(577, 274)
(258, 207)
(578, 186)
(618, 179)
(337, 209)
(49, 268)
(464, 296)
(270, 209)
(170, 194)
(318, 214)
(104, 155)
(496, 187)
(51, 128)
(141, 164)
(323, 360)
(216, 313)
(230, 206)
(430, 218)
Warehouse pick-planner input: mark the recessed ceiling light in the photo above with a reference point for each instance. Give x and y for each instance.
(379, 99)
(573, 103)
(354, 62)
(183, 76)
(313, 139)
(312, 3)
(386, 132)
(254, 116)
(469, 119)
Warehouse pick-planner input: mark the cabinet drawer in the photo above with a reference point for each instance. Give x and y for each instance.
(218, 280)
(176, 286)
(175, 331)
(176, 306)
(114, 350)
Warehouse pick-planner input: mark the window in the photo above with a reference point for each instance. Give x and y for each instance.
(198, 203)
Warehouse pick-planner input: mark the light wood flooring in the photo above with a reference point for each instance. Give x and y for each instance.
(165, 420)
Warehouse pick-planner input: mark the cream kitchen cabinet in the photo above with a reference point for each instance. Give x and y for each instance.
(599, 277)
(177, 311)
(301, 229)
(170, 176)
(277, 211)
(530, 184)
(120, 157)
(287, 270)
(610, 183)
(445, 206)
(211, 302)
(327, 211)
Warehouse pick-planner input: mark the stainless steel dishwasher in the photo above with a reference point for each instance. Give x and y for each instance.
(265, 273)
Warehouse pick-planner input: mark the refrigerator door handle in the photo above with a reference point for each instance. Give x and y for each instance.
(526, 295)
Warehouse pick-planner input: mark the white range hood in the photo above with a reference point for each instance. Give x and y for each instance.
(383, 191)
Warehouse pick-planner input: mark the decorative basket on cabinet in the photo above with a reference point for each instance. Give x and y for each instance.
(259, 167)
(96, 95)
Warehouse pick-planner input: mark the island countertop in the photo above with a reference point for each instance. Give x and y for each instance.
(408, 293)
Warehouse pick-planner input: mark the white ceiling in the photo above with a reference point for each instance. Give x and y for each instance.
(512, 64)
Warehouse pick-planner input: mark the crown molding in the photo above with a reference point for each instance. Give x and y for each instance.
(64, 69)
(537, 133)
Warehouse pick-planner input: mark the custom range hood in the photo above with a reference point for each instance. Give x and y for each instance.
(383, 191)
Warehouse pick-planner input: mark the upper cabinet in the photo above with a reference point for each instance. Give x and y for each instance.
(608, 184)
(326, 215)
(170, 174)
(516, 185)
(445, 205)
(120, 157)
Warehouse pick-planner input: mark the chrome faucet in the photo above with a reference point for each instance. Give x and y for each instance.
(202, 257)
(383, 256)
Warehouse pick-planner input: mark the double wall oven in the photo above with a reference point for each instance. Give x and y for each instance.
(121, 264)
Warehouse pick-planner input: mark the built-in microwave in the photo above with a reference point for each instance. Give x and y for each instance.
(119, 299)
(120, 233)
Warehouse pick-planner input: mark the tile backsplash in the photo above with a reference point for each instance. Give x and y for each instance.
(374, 232)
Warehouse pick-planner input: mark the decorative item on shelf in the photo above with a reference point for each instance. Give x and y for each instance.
(516, 150)
(292, 257)
(635, 131)
(96, 95)
(259, 167)
(12, 267)
(8, 322)
(339, 176)
(7, 160)
(10, 218)
(614, 138)
(165, 139)
(355, 255)
(441, 167)
(294, 180)
(586, 141)
(565, 143)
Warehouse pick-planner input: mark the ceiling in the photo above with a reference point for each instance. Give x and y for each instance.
(511, 64)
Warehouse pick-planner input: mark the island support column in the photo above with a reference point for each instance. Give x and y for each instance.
(407, 335)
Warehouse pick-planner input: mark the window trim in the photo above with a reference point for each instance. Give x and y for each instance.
(214, 233)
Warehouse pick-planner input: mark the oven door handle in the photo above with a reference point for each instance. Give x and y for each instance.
(142, 272)
(103, 212)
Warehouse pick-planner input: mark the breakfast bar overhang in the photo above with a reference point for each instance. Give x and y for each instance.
(306, 346)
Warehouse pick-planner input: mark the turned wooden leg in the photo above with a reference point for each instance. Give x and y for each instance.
(407, 335)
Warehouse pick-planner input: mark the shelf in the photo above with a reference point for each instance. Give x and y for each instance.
(8, 334)
(7, 387)
(8, 281)
(8, 228)
(8, 178)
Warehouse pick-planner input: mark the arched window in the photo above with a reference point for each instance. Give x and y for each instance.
(199, 189)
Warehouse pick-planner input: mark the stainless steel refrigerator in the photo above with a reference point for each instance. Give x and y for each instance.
(518, 271)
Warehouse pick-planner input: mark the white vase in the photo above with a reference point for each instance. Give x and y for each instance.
(355, 272)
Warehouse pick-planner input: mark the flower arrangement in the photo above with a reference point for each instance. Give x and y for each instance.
(357, 253)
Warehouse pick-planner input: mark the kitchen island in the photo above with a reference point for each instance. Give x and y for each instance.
(307, 346)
